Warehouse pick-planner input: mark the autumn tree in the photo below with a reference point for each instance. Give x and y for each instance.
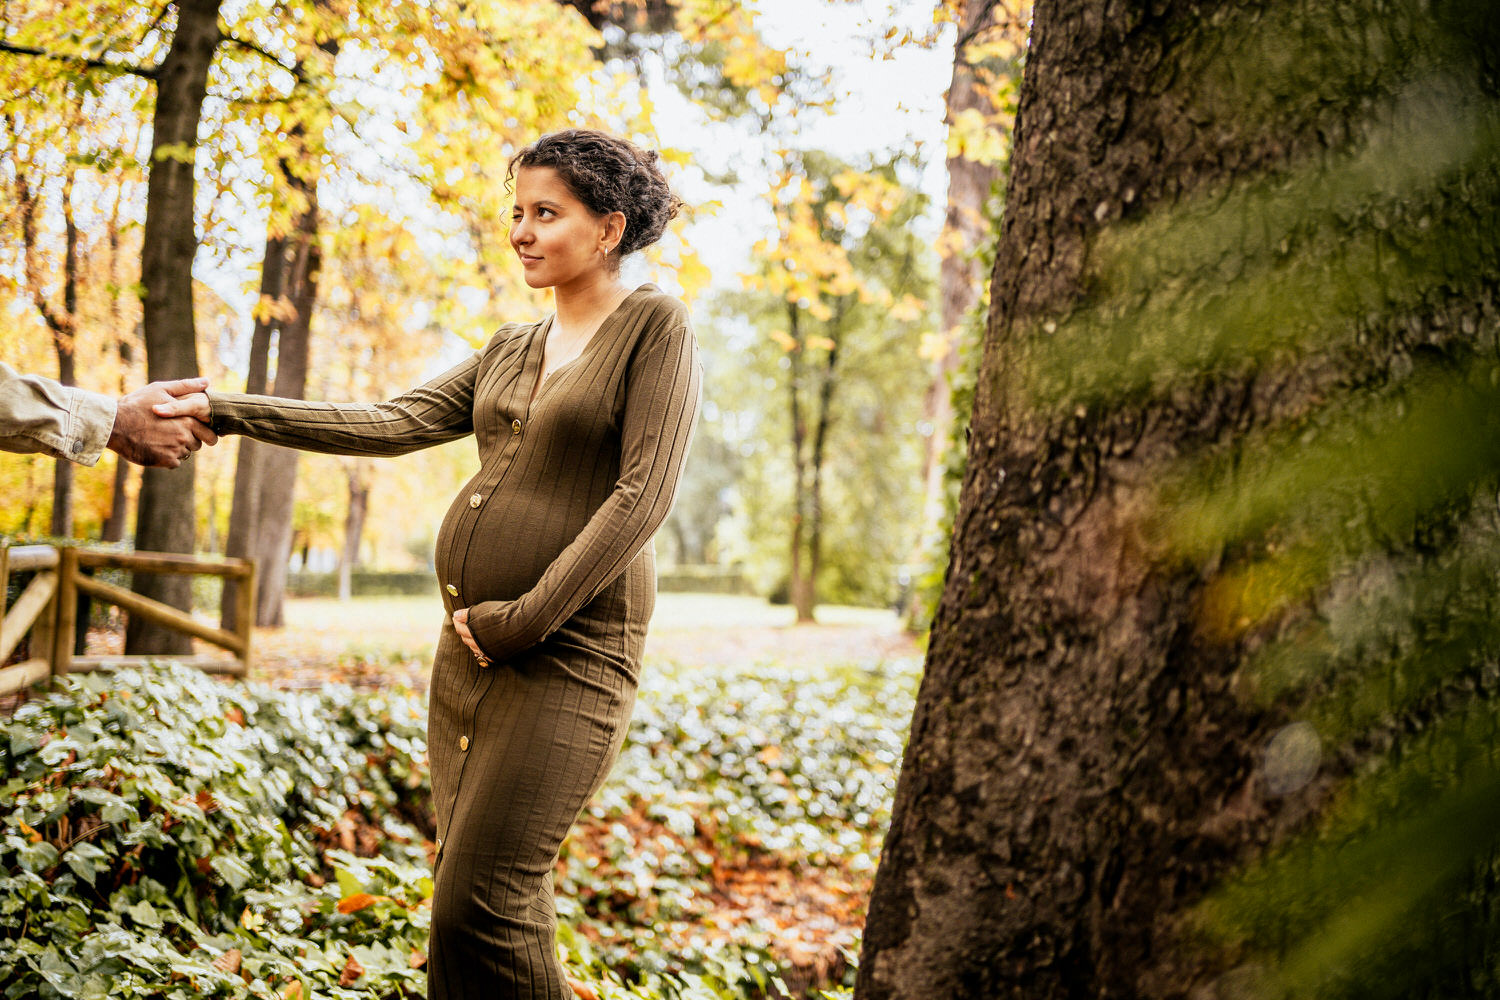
(1253, 248)
(293, 142)
(371, 344)
(50, 276)
(840, 296)
(164, 519)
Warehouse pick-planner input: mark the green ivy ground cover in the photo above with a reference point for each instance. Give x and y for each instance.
(164, 834)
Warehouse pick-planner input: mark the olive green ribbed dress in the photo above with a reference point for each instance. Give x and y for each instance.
(548, 545)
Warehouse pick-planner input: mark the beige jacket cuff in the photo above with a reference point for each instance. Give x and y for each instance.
(91, 419)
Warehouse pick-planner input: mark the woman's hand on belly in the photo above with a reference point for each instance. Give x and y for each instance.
(461, 626)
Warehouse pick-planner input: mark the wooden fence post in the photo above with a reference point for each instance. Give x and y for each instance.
(42, 632)
(244, 612)
(4, 575)
(66, 602)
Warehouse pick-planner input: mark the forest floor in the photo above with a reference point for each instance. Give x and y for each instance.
(802, 901)
(794, 882)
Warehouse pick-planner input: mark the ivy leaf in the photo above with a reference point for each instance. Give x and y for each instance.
(348, 884)
(144, 914)
(86, 860)
(37, 857)
(232, 870)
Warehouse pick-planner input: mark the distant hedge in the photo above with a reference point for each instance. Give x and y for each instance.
(703, 580)
(377, 583)
(363, 583)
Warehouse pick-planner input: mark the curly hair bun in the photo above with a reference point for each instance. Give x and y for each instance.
(608, 174)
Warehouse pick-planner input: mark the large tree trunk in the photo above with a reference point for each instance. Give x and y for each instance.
(1080, 770)
(165, 517)
(960, 275)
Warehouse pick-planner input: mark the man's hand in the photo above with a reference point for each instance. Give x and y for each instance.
(143, 436)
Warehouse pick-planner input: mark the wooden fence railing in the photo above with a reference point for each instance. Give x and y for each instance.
(48, 609)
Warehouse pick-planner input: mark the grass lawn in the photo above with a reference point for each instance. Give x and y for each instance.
(375, 641)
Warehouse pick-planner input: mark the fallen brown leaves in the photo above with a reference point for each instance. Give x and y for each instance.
(812, 914)
(352, 971)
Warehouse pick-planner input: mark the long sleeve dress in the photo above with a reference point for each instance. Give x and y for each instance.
(548, 546)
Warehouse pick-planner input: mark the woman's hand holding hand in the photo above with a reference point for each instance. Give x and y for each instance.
(461, 626)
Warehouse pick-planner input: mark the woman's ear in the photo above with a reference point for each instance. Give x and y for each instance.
(614, 230)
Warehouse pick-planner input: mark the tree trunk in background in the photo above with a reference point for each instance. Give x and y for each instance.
(800, 584)
(62, 324)
(65, 338)
(62, 476)
(1081, 769)
(272, 545)
(114, 524)
(815, 501)
(119, 493)
(960, 275)
(244, 511)
(265, 475)
(165, 518)
(354, 522)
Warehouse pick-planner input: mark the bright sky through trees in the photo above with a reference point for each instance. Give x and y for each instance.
(888, 97)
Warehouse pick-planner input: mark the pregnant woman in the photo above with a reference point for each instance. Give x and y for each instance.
(583, 421)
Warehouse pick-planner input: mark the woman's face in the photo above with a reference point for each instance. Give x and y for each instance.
(556, 236)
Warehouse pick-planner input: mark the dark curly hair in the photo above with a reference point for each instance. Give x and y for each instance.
(608, 175)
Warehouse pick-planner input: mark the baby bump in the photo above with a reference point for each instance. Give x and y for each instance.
(495, 546)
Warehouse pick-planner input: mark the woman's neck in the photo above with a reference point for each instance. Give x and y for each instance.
(582, 303)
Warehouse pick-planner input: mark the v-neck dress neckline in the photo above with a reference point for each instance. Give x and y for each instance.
(538, 382)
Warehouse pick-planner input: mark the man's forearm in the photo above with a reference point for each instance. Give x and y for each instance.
(39, 414)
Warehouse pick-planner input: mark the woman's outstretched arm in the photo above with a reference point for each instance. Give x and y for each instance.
(434, 412)
(661, 405)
